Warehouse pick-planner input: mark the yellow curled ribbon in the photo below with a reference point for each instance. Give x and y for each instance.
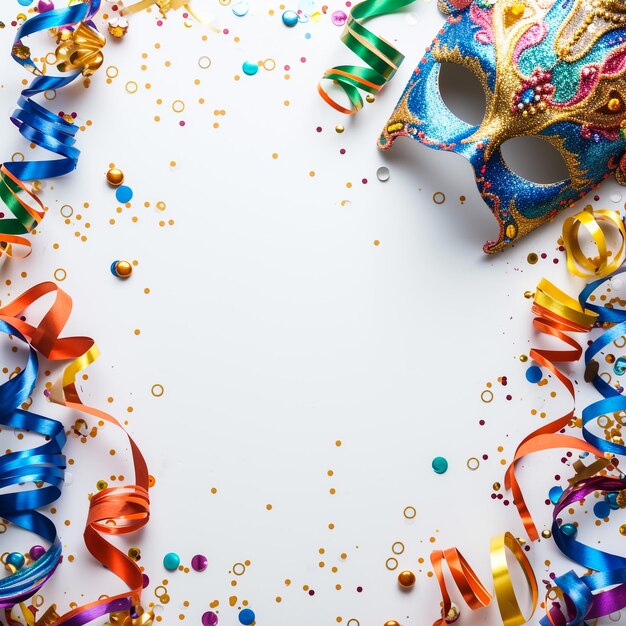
(606, 262)
(474, 591)
(505, 593)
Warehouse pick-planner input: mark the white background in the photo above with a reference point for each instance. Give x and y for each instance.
(277, 327)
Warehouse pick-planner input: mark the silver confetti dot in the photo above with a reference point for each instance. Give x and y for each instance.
(382, 173)
(616, 197)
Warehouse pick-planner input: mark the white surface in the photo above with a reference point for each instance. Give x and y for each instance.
(277, 327)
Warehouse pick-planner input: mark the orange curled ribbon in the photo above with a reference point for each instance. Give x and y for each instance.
(606, 262)
(112, 511)
(556, 314)
(474, 592)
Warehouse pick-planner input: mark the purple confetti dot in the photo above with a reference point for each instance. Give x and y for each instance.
(209, 619)
(338, 18)
(319, 129)
(36, 552)
(311, 592)
(145, 580)
(199, 563)
(482, 422)
(509, 397)
(359, 589)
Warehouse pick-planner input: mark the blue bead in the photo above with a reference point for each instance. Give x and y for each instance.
(569, 530)
(246, 617)
(601, 509)
(171, 561)
(533, 374)
(16, 559)
(290, 18)
(250, 68)
(124, 194)
(611, 500)
(555, 493)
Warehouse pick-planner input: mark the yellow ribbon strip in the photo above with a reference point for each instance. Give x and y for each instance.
(605, 263)
(505, 593)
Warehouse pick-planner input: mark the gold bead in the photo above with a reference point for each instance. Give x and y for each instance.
(406, 579)
(614, 105)
(511, 231)
(517, 9)
(452, 615)
(115, 177)
(370, 98)
(622, 530)
(339, 128)
(123, 269)
(391, 622)
(546, 534)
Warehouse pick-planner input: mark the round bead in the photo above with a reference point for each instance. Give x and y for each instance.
(36, 552)
(601, 510)
(249, 68)
(115, 177)
(611, 500)
(171, 561)
(546, 534)
(406, 579)
(391, 622)
(246, 617)
(16, 559)
(199, 563)
(614, 105)
(622, 530)
(439, 465)
(569, 530)
(44, 5)
(121, 269)
(290, 18)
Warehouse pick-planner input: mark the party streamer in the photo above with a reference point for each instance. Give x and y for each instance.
(474, 591)
(112, 511)
(79, 53)
(382, 58)
(127, 507)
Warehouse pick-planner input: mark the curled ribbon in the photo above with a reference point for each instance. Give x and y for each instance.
(577, 262)
(41, 127)
(112, 511)
(474, 592)
(381, 57)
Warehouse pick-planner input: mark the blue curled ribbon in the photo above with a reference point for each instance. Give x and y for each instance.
(603, 592)
(43, 464)
(41, 127)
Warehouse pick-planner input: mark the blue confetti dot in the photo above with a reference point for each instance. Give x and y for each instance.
(307, 36)
(555, 493)
(246, 617)
(250, 68)
(290, 18)
(533, 374)
(601, 509)
(124, 194)
(25, 3)
(171, 561)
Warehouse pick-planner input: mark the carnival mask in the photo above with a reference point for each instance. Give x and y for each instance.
(554, 70)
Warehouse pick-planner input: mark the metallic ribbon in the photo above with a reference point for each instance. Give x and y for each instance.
(41, 127)
(474, 592)
(604, 264)
(381, 57)
(112, 511)
(164, 6)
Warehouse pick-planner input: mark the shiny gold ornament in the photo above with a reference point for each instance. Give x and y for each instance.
(622, 530)
(621, 499)
(406, 579)
(614, 105)
(546, 534)
(391, 622)
(123, 269)
(82, 52)
(339, 128)
(115, 177)
(20, 51)
(117, 27)
(123, 618)
(452, 615)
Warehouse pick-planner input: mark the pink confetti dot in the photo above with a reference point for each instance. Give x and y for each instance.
(181, 123)
(302, 59)
(364, 181)
(226, 31)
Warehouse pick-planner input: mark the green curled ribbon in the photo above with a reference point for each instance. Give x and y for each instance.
(383, 59)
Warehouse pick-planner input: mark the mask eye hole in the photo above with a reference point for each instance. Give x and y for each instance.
(534, 159)
(462, 93)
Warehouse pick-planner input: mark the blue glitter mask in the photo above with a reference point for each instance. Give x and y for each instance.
(549, 70)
